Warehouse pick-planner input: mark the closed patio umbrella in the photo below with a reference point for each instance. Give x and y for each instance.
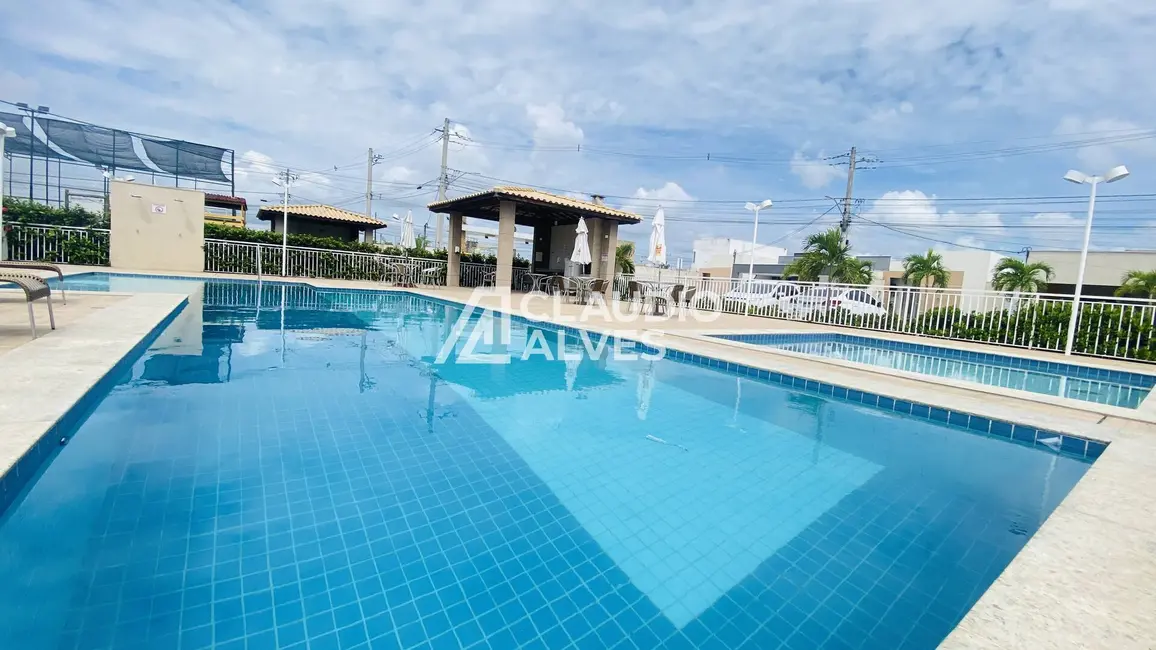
(656, 254)
(407, 238)
(581, 254)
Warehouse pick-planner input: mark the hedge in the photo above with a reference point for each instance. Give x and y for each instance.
(57, 245)
(25, 211)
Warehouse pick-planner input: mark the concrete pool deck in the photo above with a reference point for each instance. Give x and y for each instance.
(1087, 579)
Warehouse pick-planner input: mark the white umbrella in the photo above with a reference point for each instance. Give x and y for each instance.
(657, 252)
(581, 254)
(407, 238)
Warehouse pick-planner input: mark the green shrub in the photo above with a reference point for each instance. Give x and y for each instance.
(56, 245)
(25, 211)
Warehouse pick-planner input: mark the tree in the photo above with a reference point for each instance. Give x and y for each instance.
(827, 253)
(624, 257)
(1013, 275)
(1138, 284)
(421, 242)
(917, 269)
(852, 270)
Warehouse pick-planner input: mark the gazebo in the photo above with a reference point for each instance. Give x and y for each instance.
(554, 220)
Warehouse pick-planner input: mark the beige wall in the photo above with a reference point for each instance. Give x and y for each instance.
(1104, 268)
(156, 228)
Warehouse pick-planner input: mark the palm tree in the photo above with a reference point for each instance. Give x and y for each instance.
(852, 270)
(1013, 275)
(822, 251)
(624, 257)
(827, 252)
(918, 269)
(1140, 284)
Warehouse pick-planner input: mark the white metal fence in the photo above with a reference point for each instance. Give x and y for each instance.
(57, 244)
(1108, 326)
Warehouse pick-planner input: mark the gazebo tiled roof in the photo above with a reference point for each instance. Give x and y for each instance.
(531, 197)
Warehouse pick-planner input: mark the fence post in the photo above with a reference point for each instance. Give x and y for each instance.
(259, 256)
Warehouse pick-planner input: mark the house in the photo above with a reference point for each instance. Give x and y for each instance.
(322, 221)
(1103, 273)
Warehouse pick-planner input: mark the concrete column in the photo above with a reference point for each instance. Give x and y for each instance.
(454, 256)
(595, 226)
(610, 248)
(505, 271)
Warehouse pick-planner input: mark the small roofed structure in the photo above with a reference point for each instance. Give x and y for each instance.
(553, 218)
(225, 210)
(321, 221)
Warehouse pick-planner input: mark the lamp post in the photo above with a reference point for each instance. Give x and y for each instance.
(5, 133)
(284, 180)
(32, 147)
(754, 242)
(1080, 178)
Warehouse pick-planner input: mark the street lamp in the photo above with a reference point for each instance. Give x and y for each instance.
(754, 242)
(1080, 178)
(5, 133)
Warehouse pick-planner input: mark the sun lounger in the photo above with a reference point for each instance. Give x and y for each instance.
(38, 266)
(34, 287)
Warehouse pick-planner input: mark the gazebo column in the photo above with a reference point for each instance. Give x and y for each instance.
(454, 255)
(505, 272)
(610, 250)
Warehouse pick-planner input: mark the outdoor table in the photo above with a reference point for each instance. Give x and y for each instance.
(536, 280)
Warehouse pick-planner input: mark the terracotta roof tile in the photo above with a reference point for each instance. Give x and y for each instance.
(327, 212)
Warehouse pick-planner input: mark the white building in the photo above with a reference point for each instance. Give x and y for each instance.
(1103, 273)
(714, 256)
(975, 267)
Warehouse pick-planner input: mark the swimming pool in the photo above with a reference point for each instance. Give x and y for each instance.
(1111, 387)
(290, 468)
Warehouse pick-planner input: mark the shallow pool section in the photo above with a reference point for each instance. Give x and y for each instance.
(291, 468)
(1111, 387)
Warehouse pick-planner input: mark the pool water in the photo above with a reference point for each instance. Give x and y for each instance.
(1111, 387)
(291, 468)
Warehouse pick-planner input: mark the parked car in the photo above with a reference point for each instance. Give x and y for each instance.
(759, 294)
(817, 300)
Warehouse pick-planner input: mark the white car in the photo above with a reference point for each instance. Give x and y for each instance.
(760, 293)
(818, 300)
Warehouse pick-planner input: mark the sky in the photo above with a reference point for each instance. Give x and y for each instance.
(966, 114)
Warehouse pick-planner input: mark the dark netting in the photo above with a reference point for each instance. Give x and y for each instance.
(113, 148)
(21, 144)
(92, 144)
(186, 158)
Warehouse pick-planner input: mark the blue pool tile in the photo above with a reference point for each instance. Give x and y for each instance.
(1001, 429)
(1074, 445)
(1023, 434)
(1095, 449)
(939, 414)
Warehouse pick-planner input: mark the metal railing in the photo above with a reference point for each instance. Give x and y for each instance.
(222, 256)
(58, 244)
(1108, 326)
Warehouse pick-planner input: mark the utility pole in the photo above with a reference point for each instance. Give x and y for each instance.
(443, 179)
(845, 223)
(852, 161)
(370, 162)
(285, 180)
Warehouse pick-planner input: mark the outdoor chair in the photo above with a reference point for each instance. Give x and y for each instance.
(39, 266)
(34, 287)
(598, 289)
(661, 301)
(688, 297)
(490, 279)
(561, 285)
(634, 293)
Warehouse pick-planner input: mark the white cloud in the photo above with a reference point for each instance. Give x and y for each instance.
(670, 191)
(814, 173)
(399, 173)
(551, 128)
(911, 220)
(1111, 142)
